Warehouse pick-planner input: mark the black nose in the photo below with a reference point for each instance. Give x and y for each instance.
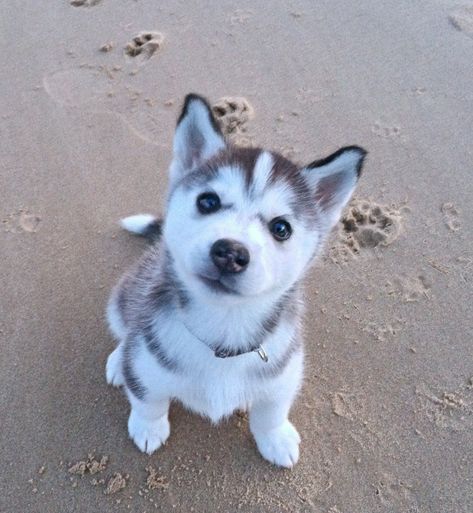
(229, 256)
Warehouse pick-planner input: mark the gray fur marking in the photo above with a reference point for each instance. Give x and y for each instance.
(133, 384)
(156, 349)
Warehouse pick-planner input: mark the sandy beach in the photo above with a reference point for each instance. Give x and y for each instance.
(90, 94)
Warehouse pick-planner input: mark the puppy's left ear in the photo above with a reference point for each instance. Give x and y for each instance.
(334, 179)
(197, 138)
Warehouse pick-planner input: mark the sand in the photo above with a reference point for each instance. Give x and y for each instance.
(90, 93)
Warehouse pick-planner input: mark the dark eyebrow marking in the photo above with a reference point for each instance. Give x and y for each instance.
(262, 219)
(244, 159)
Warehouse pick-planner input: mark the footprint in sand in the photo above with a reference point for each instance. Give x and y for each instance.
(107, 89)
(410, 289)
(345, 405)
(452, 410)
(462, 19)
(365, 226)
(85, 84)
(21, 221)
(386, 131)
(395, 493)
(450, 216)
(241, 16)
(144, 45)
(29, 222)
(84, 3)
(385, 332)
(418, 91)
(232, 114)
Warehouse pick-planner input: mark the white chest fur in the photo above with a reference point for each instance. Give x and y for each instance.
(213, 387)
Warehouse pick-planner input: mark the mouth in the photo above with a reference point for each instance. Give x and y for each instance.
(217, 285)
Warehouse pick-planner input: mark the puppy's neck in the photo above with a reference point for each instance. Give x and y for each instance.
(226, 322)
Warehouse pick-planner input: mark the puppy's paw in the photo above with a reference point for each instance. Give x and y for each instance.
(113, 369)
(148, 435)
(279, 445)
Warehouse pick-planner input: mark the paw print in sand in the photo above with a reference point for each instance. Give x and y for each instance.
(370, 224)
(232, 113)
(145, 44)
(462, 19)
(365, 226)
(21, 221)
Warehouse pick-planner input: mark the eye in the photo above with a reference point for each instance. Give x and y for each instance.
(280, 229)
(208, 202)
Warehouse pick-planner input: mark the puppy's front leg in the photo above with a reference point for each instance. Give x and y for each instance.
(148, 424)
(277, 439)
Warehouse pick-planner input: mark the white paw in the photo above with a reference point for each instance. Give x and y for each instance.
(148, 435)
(279, 445)
(113, 369)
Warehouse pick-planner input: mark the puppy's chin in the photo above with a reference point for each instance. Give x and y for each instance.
(218, 285)
(216, 282)
(231, 287)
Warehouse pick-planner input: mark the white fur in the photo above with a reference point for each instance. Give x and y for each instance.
(262, 172)
(137, 223)
(280, 444)
(148, 424)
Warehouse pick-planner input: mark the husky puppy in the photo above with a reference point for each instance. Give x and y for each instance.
(210, 315)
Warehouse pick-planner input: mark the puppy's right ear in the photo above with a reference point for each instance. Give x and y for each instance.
(197, 138)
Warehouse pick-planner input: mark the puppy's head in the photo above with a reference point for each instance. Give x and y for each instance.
(244, 221)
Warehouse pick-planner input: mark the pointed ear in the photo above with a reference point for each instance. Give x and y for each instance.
(197, 138)
(334, 179)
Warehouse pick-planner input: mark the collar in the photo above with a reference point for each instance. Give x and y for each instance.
(226, 353)
(229, 353)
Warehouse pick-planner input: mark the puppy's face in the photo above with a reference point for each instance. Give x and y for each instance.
(243, 221)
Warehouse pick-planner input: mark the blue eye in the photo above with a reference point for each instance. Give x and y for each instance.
(280, 229)
(208, 202)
